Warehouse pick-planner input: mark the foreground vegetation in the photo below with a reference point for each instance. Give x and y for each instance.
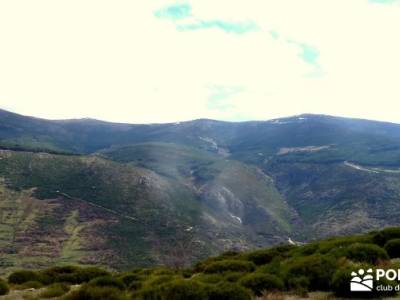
(283, 270)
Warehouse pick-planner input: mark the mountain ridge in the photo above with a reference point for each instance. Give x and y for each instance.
(305, 114)
(204, 185)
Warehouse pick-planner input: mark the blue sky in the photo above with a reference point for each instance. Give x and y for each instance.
(166, 61)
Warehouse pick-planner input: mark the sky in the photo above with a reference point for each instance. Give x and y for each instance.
(166, 61)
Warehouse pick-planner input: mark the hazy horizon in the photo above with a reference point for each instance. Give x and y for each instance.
(201, 118)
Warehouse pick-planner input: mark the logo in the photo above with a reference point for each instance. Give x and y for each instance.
(362, 281)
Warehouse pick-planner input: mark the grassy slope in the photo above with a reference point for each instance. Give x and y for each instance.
(334, 198)
(284, 271)
(142, 203)
(182, 163)
(226, 187)
(104, 212)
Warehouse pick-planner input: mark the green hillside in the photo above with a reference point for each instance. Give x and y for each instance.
(92, 192)
(91, 210)
(317, 270)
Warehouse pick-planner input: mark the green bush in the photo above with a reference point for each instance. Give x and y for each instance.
(285, 250)
(201, 265)
(298, 283)
(89, 273)
(30, 285)
(382, 237)
(61, 274)
(187, 273)
(87, 292)
(368, 253)
(338, 243)
(340, 282)
(163, 271)
(308, 249)
(129, 278)
(145, 272)
(69, 274)
(233, 276)
(161, 279)
(230, 266)
(176, 290)
(262, 257)
(259, 282)
(4, 289)
(55, 290)
(274, 268)
(185, 289)
(318, 269)
(228, 291)
(22, 276)
(230, 253)
(392, 248)
(135, 286)
(108, 281)
(209, 278)
(73, 274)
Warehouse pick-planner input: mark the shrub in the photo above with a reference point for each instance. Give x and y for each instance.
(87, 292)
(4, 289)
(73, 274)
(258, 282)
(233, 276)
(129, 278)
(229, 253)
(108, 281)
(209, 278)
(161, 279)
(341, 282)
(187, 273)
(89, 273)
(176, 290)
(308, 249)
(135, 285)
(228, 291)
(185, 289)
(382, 237)
(368, 253)
(22, 276)
(145, 272)
(298, 283)
(61, 274)
(230, 266)
(262, 257)
(274, 268)
(392, 248)
(55, 290)
(285, 249)
(30, 285)
(163, 271)
(318, 269)
(202, 265)
(336, 243)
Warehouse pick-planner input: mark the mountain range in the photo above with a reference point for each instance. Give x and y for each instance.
(120, 195)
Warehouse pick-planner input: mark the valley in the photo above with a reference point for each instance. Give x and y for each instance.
(121, 195)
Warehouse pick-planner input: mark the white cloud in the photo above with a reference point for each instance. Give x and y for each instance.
(116, 60)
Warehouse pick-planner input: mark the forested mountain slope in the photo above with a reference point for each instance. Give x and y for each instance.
(87, 191)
